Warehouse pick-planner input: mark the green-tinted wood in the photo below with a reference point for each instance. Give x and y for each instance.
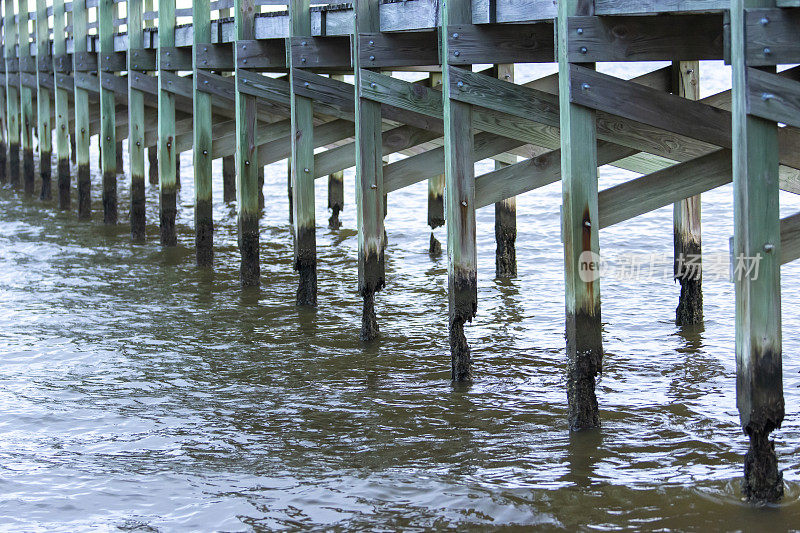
(43, 111)
(686, 219)
(108, 140)
(369, 181)
(12, 96)
(435, 191)
(335, 189)
(62, 109)
(302, 115)
(136, 123)
(505, 213)
(759, 384)
(82, 117)
(462, 272)
(580, 234)
(246, 158)
(27, 120)
(203, 152)
(166, 129)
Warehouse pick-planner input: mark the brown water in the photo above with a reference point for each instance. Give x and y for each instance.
(137, 393)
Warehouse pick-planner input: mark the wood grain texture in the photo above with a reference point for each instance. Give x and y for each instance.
(398, 49)
(771, 36)
(517, 43)
(773, 97)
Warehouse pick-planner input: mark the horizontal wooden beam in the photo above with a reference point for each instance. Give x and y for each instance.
(635, 38)
(143, 59)
(773, 97)
(321, 52)
(173, 58)
(772, 36)
(214, 56)
(261, 54)
(656, 108)
(665, 187)
(790, 238)
(514, 43)
(399, 49)
(648, 7)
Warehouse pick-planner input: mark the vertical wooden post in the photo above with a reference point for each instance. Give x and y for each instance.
(12, 93)
(229, 178)
(435, 192)
(759, 384)
(152, 164)
(505, 213)
(108, 140)
(203, 221)
(289, 189)
(3, 121)
(136, 133)
(120, 157)
(43, 72)
(246, 157)
(305, 239)
(462, 272)
(369, 180)
(26, 102)
(686, 219)
(62, 106)
(335, 189)
(80, 35)
(166, 127)
(580, 233)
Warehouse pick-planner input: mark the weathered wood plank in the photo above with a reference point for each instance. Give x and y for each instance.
(27, 98)
(632, 7)
(262, 54)
(398, 49)
(517, 43)
(771, 36)
(790, 239)
(81, 105)
(203, 138)
(773, 97)
(108, 141)
(639, 38)
(322, 52)
(12, 95)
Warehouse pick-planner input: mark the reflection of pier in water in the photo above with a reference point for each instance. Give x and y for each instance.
(252, 83)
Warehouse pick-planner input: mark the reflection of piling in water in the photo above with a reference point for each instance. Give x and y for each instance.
(299, 103)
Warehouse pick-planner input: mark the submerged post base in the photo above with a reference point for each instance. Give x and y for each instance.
(460, 355)
(435, 247)
(333, 221)
(369, 322)
(690, 308)
(307, 289)
(763, 482)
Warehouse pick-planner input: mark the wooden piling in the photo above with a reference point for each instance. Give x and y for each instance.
(757, 236)
(435, 190)
(166, 124)
(580, 234)
(44, 75)
(302, 117)
(27, 70)
(108, 141)
(335, 188)
(120, 156)
(462, 271)
(246, 154)
(80, 68)
(62, 107)
(202, 136)
(152, 165)
(12, 94)
(369, 180)
(229, 179)
(136, 120)
(686, 219)
(505, 212)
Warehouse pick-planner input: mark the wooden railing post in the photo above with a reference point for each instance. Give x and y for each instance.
(80, 35)
(759, 380)
(166, 126)
(580, 230)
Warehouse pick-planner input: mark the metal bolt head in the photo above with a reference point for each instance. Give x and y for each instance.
(767, 96)
(464, 203)
(372, 43)
(373, 85)
(585, 86)
(456, 53)
(306, 170)
(244, 61)
(205, 152)
(587, 224)
(372, 58)
(138, 143)
(764, 21)
(302, 59)
(455, 36)
(767, 51)
(579, 31)
(303, 43)
(769, 247)
(584, 49)
(247, 163)
(306, 85)
(460, 84)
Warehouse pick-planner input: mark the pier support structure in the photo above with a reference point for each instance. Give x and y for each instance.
(12, 94)
(44, 77)
(27, 70)
(80, 68)
(63, 91)
(168, 190)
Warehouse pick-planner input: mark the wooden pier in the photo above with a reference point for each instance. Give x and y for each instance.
(254, 82)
